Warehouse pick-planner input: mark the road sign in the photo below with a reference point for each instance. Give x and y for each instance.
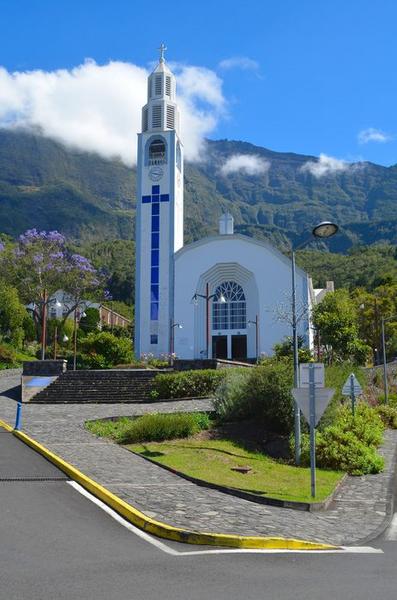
(321, 400)
(304, 377)
(352, 385)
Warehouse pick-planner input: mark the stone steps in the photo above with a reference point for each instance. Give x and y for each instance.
(107, 386)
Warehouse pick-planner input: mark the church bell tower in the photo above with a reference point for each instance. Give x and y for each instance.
(159, 212)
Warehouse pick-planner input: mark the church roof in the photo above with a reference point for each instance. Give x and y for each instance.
(238, 236)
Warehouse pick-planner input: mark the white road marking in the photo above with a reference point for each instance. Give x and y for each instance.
(391, 531)
(161, 546)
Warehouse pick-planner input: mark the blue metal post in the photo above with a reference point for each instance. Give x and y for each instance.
(18, 417)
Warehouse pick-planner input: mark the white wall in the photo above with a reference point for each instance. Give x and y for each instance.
(264, 274)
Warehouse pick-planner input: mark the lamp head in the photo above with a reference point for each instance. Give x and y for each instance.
(65, 338)
(325, 229)
(222, 299)
(58, 304)
(194, 299)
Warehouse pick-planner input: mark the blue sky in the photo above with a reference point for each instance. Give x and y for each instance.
(310, 75)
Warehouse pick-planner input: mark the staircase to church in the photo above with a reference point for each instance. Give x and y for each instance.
(107, 386)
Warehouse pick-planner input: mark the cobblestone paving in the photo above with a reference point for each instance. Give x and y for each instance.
(358, 512)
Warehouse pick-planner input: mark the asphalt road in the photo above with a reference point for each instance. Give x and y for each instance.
(56, 544)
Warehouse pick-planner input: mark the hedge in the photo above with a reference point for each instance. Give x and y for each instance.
(187, 384)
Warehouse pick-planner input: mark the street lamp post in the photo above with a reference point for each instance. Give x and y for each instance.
(77, 317)
(323, 230)
(173, 326)
(385, 382)
(207, 297)
(45, 302)
(256, 323)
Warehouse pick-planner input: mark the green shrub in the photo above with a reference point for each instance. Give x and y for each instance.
(263, 392)
(229, 400)
(159, 427)
(366, 425)
(8, 356)
(342, 450)
(103, 350)
(268, 395)
(350, 444)
(187, 384)
(391, 399)
(388, 414)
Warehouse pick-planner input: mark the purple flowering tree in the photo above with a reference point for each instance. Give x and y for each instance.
(39, 265)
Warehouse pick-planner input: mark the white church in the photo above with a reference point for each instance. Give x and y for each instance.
(216, 297)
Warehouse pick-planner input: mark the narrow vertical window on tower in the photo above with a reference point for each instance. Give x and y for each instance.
(170, 117)
(145, 123)
(157, 85)
(156, 116)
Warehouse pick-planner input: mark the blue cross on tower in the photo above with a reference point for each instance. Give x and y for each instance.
(155, 200)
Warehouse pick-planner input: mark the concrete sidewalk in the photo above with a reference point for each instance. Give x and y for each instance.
(359, 510)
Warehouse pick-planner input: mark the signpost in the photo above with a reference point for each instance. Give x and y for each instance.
(353, 389)
(312, 398)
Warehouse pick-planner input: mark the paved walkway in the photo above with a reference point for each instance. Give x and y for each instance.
(359, 510)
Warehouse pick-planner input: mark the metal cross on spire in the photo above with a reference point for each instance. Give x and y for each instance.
(162, 49)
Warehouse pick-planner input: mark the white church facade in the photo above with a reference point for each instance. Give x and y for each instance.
(217, 297)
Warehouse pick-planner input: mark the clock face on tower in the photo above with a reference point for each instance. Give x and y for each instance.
(156, 173)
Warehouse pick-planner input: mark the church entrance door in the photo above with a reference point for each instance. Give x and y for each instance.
(219, 346)
(239, 347)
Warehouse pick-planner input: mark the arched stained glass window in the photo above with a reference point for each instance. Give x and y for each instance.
(229, 307)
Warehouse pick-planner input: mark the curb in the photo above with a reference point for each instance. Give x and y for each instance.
(250, 497)
(158, 528)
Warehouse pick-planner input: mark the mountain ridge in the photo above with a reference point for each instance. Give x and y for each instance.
(46, 185)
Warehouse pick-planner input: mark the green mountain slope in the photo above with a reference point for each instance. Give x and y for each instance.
(46, 185)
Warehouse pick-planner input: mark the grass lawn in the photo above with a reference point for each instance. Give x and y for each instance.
(212, 461)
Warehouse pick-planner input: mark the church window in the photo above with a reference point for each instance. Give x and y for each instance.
(156, 116)
(154, 339)
(155, 223)
(154, 275)
(168, 85)
(155, 241)
(155, 258)
(145, 123)
(170, 117)
(230, 313)
(157, 85)
(157, 152)
(154, 293)
(178, 156)
(154, 311)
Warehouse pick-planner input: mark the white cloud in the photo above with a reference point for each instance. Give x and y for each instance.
(250, 164)
(239, 62)
(97, 108)
(373, 135)
(325, 165)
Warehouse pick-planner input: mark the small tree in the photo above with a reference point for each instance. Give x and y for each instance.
(39, 265)
(12, 315)
(336, 319)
